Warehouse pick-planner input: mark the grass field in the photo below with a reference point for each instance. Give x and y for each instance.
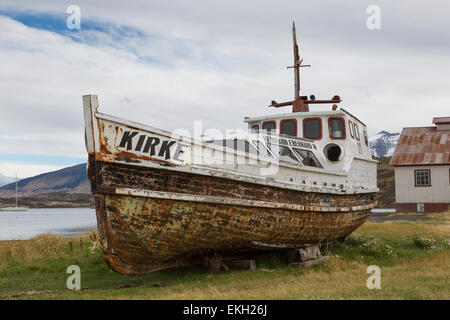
(414, 258)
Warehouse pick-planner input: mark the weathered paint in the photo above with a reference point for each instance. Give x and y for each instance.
(157, 208)
(236, 202)
(150, 219)
(141, 235)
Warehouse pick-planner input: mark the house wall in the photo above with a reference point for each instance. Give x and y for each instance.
(435, 198)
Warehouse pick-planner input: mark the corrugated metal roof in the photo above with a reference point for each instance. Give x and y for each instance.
(422, 146)
(441, 120)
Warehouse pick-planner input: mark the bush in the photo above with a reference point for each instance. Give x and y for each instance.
(49, 244)
(426, 241)
(95, 245)
(370, 246)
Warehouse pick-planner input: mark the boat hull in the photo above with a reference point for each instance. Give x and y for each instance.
(151, 219)
(14, 209)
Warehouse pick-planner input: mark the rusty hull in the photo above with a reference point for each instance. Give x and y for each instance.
(143, 233)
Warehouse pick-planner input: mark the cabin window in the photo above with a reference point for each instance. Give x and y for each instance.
(261, 148)
(237, 144)
(336, 125)
(356, 129)
(255, 128)
(351, 129)
(307, 158)
(288, 127)
(269, 126)
(332, 151)
(286, 154)
(244, 145)
(422, 178)
(312, 128)
(365, 138)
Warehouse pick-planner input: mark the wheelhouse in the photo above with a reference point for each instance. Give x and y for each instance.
(318, 149)
(336, 132)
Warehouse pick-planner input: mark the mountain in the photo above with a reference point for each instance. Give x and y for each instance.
(383, 144)
(67, 180)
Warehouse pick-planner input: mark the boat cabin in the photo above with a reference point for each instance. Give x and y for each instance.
(336, 133)
(326, 149)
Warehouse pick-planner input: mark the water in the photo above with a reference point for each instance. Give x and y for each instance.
(16, 225)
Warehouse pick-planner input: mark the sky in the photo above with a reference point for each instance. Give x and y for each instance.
(170, 63)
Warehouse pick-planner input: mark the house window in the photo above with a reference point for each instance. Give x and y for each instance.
(255, 128)
(312, 128)
(336, 126)
(289, 127)
(422, 178)
(350, 128)
(365, 138)
(269, 125)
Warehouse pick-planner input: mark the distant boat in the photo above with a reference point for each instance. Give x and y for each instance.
(16, 208)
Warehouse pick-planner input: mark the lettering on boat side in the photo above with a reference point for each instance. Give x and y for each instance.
(152, 146)
(291, 142)
(231, 309)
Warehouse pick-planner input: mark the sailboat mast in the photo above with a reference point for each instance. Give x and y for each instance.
(16, 189)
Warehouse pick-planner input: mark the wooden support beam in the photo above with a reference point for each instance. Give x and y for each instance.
(241, 264)
(309, 262)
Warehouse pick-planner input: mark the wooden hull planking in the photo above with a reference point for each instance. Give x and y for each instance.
(152, 219)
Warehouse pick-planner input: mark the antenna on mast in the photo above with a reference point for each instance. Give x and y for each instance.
(297, 62)
(300, 103)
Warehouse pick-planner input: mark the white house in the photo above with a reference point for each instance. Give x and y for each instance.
(422, 168)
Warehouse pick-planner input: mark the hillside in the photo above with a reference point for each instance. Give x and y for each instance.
(52, 200)
(386, 183)
(67, 180)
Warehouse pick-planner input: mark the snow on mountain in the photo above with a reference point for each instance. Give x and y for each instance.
(383, 144)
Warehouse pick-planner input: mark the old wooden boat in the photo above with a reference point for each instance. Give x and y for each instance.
(163, 200)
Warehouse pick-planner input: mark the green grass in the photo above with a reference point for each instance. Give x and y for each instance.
(410, 269)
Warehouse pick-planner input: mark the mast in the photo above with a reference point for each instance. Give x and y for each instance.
(16, 189)
(300, 103)
(297, 62)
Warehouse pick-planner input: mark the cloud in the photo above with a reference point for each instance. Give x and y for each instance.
(167, 64)
(4, 180)
(9, 169)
